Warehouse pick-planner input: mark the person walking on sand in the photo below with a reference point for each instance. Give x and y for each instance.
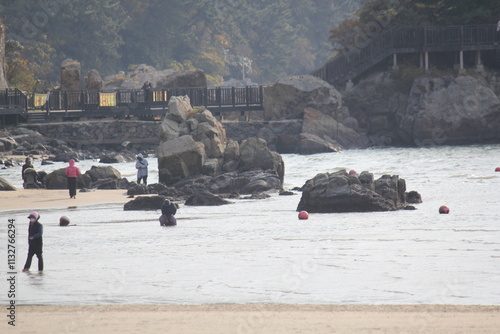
(72, 173)
(142, 169)
(35, 242)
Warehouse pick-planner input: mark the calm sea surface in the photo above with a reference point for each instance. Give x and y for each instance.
(257, 251)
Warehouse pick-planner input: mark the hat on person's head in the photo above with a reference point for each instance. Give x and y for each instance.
(167, 202)
(35, 215)
(139, 155)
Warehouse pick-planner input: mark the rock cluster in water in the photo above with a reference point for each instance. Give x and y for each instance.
(344, 192)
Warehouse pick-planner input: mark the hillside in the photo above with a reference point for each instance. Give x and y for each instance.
(266, 39)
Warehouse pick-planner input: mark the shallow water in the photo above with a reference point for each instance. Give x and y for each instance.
(257, 251)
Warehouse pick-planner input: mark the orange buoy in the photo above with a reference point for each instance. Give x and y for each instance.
(497, 169)
(303, 215)
(444, 209)
(352, 171)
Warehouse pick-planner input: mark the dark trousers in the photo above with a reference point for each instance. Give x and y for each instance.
(143, 178)
(72, 186)
(34, 249)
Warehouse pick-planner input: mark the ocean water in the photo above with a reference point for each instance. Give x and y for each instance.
(258, 251)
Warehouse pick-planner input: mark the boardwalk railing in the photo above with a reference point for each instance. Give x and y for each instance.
(12, 98)
(352, 63)
(250, 97)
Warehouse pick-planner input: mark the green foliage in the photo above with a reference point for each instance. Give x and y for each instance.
(404, 77)
(273, 38)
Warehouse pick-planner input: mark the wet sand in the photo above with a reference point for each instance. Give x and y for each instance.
(233, 318)
(33, 199)
(257, 318)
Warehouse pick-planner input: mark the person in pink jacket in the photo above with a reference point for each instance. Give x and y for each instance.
(72, 173)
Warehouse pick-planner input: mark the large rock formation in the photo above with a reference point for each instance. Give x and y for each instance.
(96, 177)
(450, 110)
(70, 75)
(423, 109)
(195, 144)
(135, 77)
(288, 98)
(326, 125)
(93, 80)
(181, 79)
(341, 192)
(3, 80)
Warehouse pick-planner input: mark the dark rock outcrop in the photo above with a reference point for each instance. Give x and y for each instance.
(413, 197)
(205, 199)
(5, 185)
(183, 79)
(341, 192)
(144, 203)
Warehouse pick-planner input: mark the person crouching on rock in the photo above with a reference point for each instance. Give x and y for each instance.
(35, 242)
(72, 173)
(168, 211)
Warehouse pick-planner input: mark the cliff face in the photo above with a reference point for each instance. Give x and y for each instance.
(3, 81)
(437, 110)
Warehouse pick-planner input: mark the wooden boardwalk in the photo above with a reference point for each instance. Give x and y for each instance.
(352, 63)
(16, 107)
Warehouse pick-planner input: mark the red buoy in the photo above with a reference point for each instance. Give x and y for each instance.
(303, 215)
(352, 171)
(64, 221)
(444, 209)
(497, 169)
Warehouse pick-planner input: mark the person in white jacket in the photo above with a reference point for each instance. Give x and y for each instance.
(142, 169)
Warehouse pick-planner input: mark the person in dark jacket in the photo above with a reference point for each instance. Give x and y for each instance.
(27, 164)
(168, 211)
(35, 232)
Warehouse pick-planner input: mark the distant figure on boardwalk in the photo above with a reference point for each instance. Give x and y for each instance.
(168, 211)
(148, 87)
(35, 241)
(72, 173)
(142, 169)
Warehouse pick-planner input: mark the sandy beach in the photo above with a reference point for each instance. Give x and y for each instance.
(230, 318)
(257, 318)
(33, 199)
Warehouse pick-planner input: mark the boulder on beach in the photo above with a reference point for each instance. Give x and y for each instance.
(341, 192)
(144, 203)
(205, 199)
(58, 180)
(103, 172)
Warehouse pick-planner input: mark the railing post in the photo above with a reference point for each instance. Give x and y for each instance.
(261, 96)
(233, 96)
(247, 95)
(82, 101)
